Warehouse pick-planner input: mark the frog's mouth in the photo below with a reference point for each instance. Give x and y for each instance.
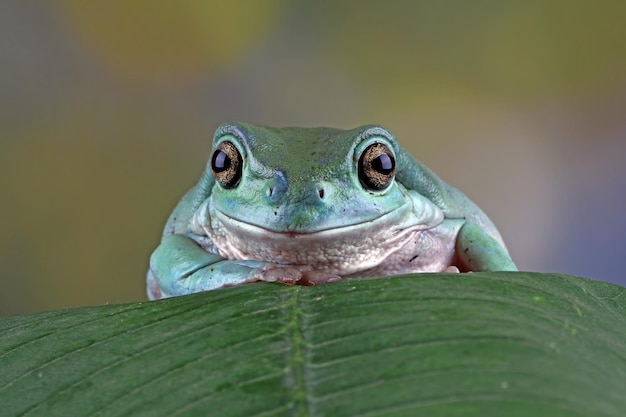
(340, 250)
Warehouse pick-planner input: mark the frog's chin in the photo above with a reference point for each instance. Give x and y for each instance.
(340, 250)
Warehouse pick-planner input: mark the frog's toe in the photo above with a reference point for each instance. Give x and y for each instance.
(452, 270)
(317, 277)
(153, 289)
(289, 275)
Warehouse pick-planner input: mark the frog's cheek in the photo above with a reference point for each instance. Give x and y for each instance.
(426, 214)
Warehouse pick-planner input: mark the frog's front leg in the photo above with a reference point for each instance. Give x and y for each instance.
(478, 251)
(179, 266)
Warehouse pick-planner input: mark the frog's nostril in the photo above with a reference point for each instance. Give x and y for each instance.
(320, 192)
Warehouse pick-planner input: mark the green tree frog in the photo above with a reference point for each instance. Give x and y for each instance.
(313, 205)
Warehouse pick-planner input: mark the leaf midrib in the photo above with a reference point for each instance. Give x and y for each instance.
(297, 353)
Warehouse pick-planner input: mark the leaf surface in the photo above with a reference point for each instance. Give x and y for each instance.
(483, 344)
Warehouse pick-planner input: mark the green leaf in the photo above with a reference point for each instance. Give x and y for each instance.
(483, 344)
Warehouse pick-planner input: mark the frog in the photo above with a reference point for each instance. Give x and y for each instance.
(314, 205)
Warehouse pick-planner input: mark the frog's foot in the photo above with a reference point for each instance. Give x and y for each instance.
(285, 274)
(452, 270)
(317, 277)
(154, 291)
(294, 274)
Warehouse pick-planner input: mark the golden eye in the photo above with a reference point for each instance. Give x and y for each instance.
(377, 166)
(226, 164)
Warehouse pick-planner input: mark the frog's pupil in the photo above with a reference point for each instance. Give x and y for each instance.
(221, 161)
(383, 164)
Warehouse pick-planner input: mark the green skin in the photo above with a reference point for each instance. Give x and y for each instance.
(301, 214)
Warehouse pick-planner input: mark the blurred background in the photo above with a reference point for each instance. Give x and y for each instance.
(107, 109)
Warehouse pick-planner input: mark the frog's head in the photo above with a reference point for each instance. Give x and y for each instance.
(326, 187)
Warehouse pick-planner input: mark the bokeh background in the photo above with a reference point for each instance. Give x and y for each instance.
(107, 109)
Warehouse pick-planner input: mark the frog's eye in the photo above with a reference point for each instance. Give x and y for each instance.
(377, 166)
(226, 165)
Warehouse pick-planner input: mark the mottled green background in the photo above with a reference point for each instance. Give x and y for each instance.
(107, 110)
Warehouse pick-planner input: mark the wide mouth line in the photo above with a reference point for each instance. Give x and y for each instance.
(226, 219)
